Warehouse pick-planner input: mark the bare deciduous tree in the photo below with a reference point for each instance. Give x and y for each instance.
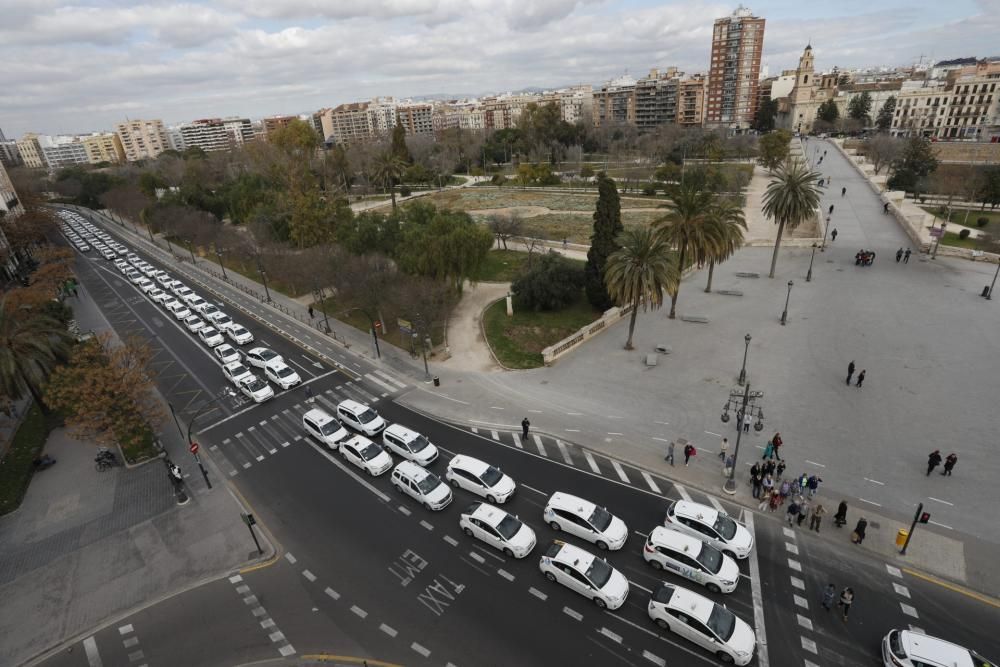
(505, 227)
(882, 150)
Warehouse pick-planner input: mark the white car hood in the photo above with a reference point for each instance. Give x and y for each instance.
(617, 586)
(381, 461)
(617, 531)
(439, 494)
(729, 571)
(743, 639)
(525, 539)
(742, 541)
(504, 487)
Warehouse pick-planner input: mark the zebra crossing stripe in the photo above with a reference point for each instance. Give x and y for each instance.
(716, 504)
(385, 385)
(621, 473)
(564, 450)
(495, 435)
(541, 447)
(390, 378)
(591, 462)
(475, 430)
(649, 480)
(682, 492)
(517, 440)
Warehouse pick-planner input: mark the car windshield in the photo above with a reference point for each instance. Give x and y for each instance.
(370, 451)
(725, 526)
(600, 519)
(284, 372)
(599, 572)
(255, 385)
(239, 371)
(330, 427)
(509, 527)
(419, 443)
(367, 416)
(266, 355)
(208, 332)
(429, 483)
(492, 476)
(710, 558)
(722, 622)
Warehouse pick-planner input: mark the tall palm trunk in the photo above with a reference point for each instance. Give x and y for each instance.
(680, 274)
(631, 323)
(392, 194)
(777, 244)
(711, 270)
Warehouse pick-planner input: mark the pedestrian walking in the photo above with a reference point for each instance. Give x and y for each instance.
(833, 235)
(755, 480)
(803, 511)
(906, 256)
(767, 482)
(831, 209)
(949, 463)
(311, 312)
(820, 182)
(824, 153)
(784, 490)
(792, 512)
(525, 425)
(885, 208)
(565, 243)
(843, 191)
(858, 536)
(309, 395)
(840, 518)
(724, 448)
(816, 518)
(774, 502)
(899, 255)
(768, 450)
(747, 420)
(670, 453)
(933, 461)
(813, 485)
(846, 600)
(850, 372)
(689, 451)
(765, 500)
(829, 596)
(780, 468)
(861, 378)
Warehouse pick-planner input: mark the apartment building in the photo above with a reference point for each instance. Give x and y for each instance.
(216, 134)
(31, 151)
(656, 98)
(103, 147)
(62, 152)
(346, 123)
(965, 106)
(614, 102)
(9, 203)
(273, 123)
(734, 70)
(691, 101)
(416, 118)
(142, 139)
(9, 155)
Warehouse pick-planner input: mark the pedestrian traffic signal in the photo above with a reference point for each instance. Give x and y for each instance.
(925, 517)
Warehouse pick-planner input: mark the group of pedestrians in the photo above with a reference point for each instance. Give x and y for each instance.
(850, 374)
(844, 602)
(905, 256)
(934, 460)
(864, 257)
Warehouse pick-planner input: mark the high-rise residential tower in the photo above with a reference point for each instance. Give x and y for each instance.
(737, 42)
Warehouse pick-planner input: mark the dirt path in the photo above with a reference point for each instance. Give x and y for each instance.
(469, 351)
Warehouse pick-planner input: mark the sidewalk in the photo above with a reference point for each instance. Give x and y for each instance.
(88, 546)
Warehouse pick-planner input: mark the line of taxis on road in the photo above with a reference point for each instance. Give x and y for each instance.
(696, 541)
(203, 319)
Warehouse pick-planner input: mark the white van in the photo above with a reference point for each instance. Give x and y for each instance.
(324, 428)
(422, 485)
(360, 417)
(906, 648)
(409, 444)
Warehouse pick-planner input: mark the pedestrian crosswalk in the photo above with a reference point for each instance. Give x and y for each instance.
(253, 444)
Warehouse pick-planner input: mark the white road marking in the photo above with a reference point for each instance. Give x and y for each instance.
(125, 629)
(791, 548)
(531, 488)
(450, 540)
(476, 557)
(308, 575)
(655, 659)
(875, 481)
(591, 462)
(815, 464)
(649, 480)
(613, 417)
(405, 511)
(808, 644)
(385, 385)
(901, 589)
(758, 600)
(517, 440)
(800, 601)
(716, 504)
(495, 435)
(798, 583)
(420, 649)
(359, 611)
(618, 469)
(664, 423)
(276, 636)
(870, 502)
(267, 623)
(564, 450)
(717, 435)
(682, 492)
(495, 407)
(506, 575)
(538, 594)
(938, 500)
(388, 630)
(572, 613)
(475, 430)
(290, 558)
(396, 381)
(794, 564)
(427, 525)
(575, 414)
(537, 412)
(941, 525)
(894, 571)
(235, 579)
(611, 635)
(93, 655)
(804, 622)
(788, 532)
(615, 433)
(572, 430)
(661, 439)
(332, 593)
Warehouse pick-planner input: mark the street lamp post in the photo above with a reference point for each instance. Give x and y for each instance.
(746, 404)
(190, 250)
(204, 473)
(826, 229)
(218, 254)
(321, 297)
(989, 294)
(743, 371)
(784, 313)
(371, 320)
(809, 274)
(263, 277)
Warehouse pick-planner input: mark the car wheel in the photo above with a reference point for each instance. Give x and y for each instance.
(491, 499)
(467, 531)
(427, 506)
(550, 576)
(397, 487)
(454, 482)
(601, 604)
(507, 552)
(602, 545)
(554, 526)
(724, 657)
(371, 473)
(713, 588)
(657, 565)
(663, 624)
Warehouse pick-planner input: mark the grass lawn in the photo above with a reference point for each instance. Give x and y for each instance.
(952, 239)
(958, 218)
(578, 228)
(475, 199)
(503, 266)
(16, 468)
(518, 341)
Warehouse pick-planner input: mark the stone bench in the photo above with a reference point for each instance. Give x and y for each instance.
(747, 274)
(729, 292)
(700, 319)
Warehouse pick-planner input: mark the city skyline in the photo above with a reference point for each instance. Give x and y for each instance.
(84, 68)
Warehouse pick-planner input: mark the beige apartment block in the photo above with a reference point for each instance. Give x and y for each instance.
(31, 151)
(142, 139)
(273, 123)
(103, 147)
(691, 101)
(734, 70)
(966, 106)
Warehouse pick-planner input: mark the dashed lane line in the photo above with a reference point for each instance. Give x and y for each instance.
(388, 630)
(572, 613)
(538, 594)
(655, 659)
(615, 637)
(517, 440)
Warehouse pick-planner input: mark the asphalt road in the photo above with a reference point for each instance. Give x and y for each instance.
(368, 572)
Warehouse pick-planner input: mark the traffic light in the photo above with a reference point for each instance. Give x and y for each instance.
(925, 517)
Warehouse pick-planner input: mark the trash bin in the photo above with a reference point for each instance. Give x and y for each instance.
(986, 290)
(901, 536)
(437, 381)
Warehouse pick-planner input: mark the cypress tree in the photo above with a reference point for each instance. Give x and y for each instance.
(607, 226)
(399, 148)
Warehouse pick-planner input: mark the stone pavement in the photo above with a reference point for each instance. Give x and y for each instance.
(87, 546)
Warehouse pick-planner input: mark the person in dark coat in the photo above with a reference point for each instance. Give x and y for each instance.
(833, 234)
(689, 451)
(850, 372)
(933, 461)
(840, 518)
(861, 378)
(831, 209)
(843, 191)
(949, 463)
(525, 425)
(906, 256)
(899, 255)
(859, 530)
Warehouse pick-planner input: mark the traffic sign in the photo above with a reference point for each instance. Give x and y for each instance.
(193, 447)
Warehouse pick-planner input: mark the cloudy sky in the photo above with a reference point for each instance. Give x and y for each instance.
(83, 66)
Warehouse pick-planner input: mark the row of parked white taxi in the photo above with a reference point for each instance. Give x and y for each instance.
(697, 542)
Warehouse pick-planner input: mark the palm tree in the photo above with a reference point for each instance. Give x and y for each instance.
(389, 169)
(640, 271)
(685, 228)
(791, 198)
(726, 215)
(30, 346)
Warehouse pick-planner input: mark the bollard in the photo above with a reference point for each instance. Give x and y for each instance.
(437, 381)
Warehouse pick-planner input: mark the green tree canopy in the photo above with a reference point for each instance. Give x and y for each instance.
(686, 228)
(774, 149)
(607, 227)
(828, 111)
(766, 114)
(640, 271)
(860, 106)
(449, 246)
(884, 119)
(911, 169)
(552, 283)
(399, 148)
(791, 198)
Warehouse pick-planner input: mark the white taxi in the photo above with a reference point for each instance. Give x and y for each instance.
(235, 372)
(480, 478)
(226, 354)
(689, 557)
(710, 525)
(281, 374)
(255, 389)
(237, 333)
(210, 336)
(366, 455)
(584, 573)
(586, 520)
(703, 622)
(500, 529)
